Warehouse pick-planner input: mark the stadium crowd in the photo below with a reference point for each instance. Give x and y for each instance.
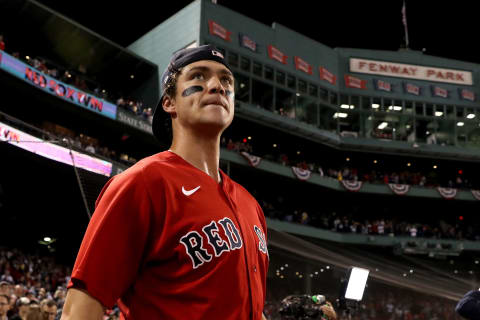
(80, 79)
(33, 286)
(347, 172)
(392, 227)
(389, 305)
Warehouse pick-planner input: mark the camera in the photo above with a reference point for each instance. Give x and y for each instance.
(305, 307)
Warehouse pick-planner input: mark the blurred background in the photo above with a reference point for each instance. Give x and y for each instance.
(360, 153)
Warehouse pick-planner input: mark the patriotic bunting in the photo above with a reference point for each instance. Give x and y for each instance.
(327, 75)
(467, 94)
(352, 82)
(276, 54)
(253, 160)
(301, 174)
(247, 42)
(447, 193)
(439, 92)
(218, 30)
(302, 65)
(399, 189)
(352, 185)
(411, 89)
(476, 194)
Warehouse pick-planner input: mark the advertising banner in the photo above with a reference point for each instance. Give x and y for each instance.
(52, 151)
(57, 88)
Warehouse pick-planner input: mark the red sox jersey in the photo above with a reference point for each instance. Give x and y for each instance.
(167, 241)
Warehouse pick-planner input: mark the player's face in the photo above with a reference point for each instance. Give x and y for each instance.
(205, 97)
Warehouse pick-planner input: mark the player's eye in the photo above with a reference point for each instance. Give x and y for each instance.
(198, 76)
(228, 80)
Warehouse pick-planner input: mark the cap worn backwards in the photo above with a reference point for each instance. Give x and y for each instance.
(179, 60)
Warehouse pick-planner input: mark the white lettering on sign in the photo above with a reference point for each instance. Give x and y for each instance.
(393, 69)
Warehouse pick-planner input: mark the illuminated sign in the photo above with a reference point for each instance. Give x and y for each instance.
(393, 69)
(56, 87)
(52, 151)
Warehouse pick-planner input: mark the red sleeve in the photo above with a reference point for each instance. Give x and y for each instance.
(114, 243)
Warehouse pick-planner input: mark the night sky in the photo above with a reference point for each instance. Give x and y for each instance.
(445, 29)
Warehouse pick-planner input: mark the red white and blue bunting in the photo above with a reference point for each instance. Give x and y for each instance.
(476, 194)
(301, 174)
(352, 185)
(253, 160)
(400, 189)
(447, 193)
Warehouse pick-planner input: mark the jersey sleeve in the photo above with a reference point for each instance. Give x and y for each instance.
(114, 243)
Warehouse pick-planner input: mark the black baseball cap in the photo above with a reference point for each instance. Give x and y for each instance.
(179, 60)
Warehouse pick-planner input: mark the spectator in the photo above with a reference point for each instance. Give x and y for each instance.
(2, 43)
(49, 309)
(34, 313)
(23, 305)
(6, 277)
(4, 306)
(5, 288)
(90, 148)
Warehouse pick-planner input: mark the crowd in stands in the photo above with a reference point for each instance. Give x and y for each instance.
(347, 172)
(80, 79)
(33, 286)
(386, 306)
(84, 143)
(393, 227)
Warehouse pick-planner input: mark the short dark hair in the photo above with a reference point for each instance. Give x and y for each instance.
(48, 302)
(170, 91)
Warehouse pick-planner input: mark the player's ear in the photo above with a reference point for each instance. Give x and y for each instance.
(168, 105)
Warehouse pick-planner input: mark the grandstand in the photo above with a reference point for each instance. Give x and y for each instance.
(358, 157)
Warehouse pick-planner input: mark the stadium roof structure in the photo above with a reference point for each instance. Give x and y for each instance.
(33, 27)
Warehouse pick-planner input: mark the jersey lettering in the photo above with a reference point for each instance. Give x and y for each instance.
(262, 243)
(196, 250)
(193, 242)
(232, 233)
(219, 245)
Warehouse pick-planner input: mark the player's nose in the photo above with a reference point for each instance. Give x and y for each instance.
(215, 86)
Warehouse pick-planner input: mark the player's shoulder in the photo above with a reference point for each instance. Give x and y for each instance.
(157, 165)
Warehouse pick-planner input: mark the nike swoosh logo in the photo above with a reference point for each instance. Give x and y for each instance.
(189, 192)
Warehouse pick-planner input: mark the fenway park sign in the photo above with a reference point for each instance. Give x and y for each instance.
(393, 69)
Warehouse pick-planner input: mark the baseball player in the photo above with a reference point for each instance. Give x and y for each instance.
(173, 237)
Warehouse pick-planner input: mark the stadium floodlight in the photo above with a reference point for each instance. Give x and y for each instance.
(438, 113)
(375, 106)
(344, 106)
(460, 124)
(340, 115)
(470, 116)
(382, 125)
(395, 108)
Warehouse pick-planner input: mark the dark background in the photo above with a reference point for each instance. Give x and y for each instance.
(445, 29)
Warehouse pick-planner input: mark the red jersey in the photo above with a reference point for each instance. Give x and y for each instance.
(166, 241)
